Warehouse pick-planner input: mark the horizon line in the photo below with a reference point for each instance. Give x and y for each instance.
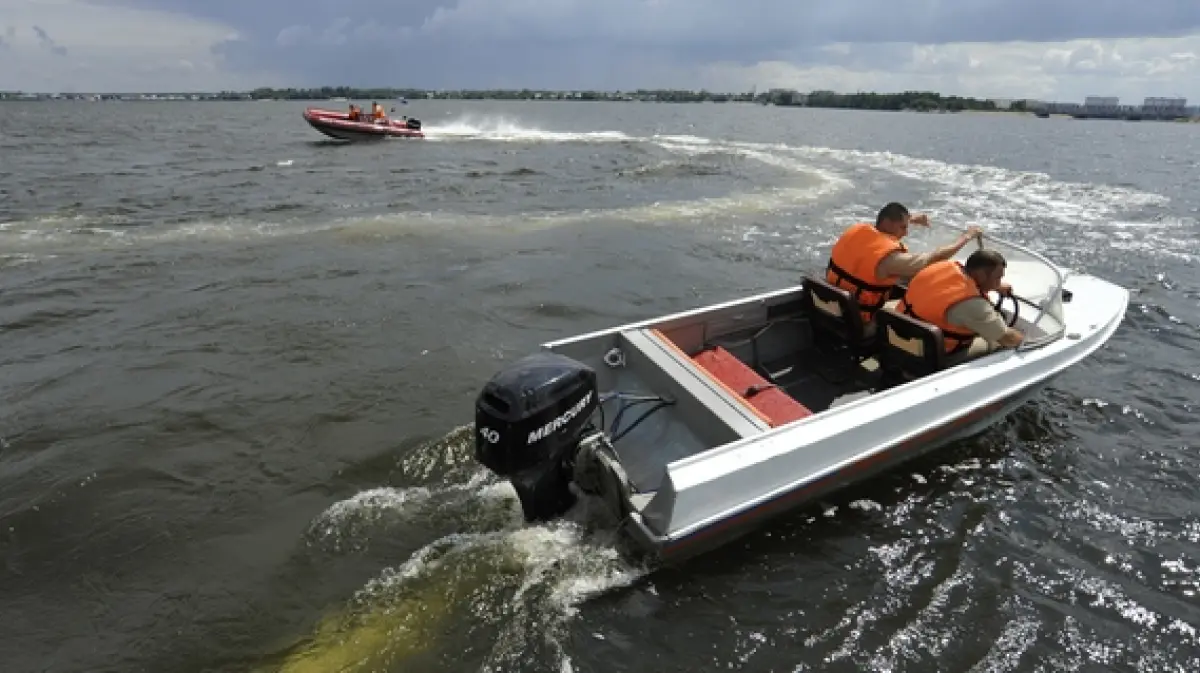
(753, 92)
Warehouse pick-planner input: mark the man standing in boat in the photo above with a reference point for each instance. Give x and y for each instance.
(869, 260)
(953, 297)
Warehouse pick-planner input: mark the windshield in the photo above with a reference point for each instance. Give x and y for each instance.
(1034, 279)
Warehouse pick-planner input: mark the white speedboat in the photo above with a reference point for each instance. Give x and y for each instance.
(694, 428)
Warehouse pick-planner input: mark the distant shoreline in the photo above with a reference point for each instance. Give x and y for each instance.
(909, 101)
(341, 101)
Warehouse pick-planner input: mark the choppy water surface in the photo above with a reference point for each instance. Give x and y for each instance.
(238, 363)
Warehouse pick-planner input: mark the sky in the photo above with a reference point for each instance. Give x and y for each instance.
(1044, 49)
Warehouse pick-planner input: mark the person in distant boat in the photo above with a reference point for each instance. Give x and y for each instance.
(868, 261)
(953, 296)
(377, 113)
(355, 113)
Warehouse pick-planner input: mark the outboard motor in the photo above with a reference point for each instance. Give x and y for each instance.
(529, 419)
(414, 124)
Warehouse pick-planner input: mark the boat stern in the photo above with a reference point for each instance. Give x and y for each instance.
(530, 418)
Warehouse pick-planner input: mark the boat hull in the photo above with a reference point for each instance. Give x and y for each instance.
(746, 419)
(696, 514)
(672, 551)
(339, 126)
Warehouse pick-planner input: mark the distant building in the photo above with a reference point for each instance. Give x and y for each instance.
(1109, 107)
(786, 97)
(1165, 107)
(1102, 106)
(1058, 108)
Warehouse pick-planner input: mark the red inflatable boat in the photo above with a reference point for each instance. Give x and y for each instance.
(337, 124)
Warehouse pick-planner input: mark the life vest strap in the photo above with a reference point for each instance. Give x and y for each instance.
(962, 339)
(861, 284)
(861, 287)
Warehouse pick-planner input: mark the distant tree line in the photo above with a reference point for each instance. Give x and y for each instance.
(908, 100)
(382, 93)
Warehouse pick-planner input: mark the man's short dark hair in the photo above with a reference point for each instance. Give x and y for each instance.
(892, 212)
(985, 260)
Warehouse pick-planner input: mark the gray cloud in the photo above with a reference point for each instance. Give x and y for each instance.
(48, 42)
(486, 40)
(629, 43)
(676, 21)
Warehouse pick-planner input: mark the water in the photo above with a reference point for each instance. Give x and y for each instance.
(239, 361)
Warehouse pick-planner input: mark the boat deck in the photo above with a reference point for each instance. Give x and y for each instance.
(736, 385)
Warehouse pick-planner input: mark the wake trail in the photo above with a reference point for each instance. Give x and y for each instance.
(488, 572)
(505, 130)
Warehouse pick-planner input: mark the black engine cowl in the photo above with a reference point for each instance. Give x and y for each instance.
(529, 419)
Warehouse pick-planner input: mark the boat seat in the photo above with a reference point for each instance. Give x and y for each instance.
(911, 348)
(836, 313)
(767, 400)
(712, 411)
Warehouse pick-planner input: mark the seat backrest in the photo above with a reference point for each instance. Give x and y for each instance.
(834, 310)
(910, 347)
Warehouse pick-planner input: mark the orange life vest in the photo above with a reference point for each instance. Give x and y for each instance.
(933, 291)
(852, 264)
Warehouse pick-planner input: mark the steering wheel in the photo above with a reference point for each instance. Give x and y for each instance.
(1016, 312)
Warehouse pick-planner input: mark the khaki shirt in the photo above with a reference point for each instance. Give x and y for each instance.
(974, 315)
(903, 265)
(978, 316)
